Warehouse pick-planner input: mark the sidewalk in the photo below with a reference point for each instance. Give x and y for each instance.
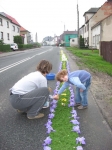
(93, 126)
(14, 52)
(10, 53)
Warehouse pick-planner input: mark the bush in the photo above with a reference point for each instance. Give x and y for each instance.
(18, 39)
(5, 48)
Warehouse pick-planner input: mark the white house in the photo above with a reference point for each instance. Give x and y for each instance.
(84, 30)
(102, 31)
(94, 29)
(9, 28)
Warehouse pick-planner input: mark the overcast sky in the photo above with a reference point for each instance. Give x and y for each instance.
(47, 17)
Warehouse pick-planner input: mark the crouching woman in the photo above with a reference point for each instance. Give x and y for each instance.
(30, 93)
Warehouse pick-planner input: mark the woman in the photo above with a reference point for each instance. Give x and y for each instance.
(81, 79)
(30, 93)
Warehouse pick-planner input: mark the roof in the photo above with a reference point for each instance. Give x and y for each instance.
(91, 10)
(23, 29)
(70, 32)
(13, 20)
(3, 14)
(100, 22)
(67, 32)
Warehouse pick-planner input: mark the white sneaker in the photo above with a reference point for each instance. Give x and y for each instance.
(46, 105)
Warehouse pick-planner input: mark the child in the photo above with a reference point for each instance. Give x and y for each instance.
(31, 93)
(81, 79)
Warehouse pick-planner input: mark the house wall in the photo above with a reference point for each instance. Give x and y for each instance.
(67, 38)
(88, 16)
(95, 33)
(106, 28)
(14, 33)
(73, 42)
(9, 30)
(103, 12)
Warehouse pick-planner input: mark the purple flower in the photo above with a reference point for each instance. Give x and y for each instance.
(75, 122)
(51, 116)
(54, 102)
(76, 129)
(47, 148)
(80, 140)
(71, 104)
(53, 106)
(52, 110)
(74, 111)
(49, 129)
(47, 141)
(79, 148)
(48, 123)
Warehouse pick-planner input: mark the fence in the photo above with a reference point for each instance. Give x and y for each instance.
(106, 50)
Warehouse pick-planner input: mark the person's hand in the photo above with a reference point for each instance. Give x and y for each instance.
(81, 90)
(56, 97)
(50, 90)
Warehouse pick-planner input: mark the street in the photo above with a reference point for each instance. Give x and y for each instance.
(19, 133)
(16, 131)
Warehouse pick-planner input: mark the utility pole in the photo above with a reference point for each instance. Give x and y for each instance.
(78, 24)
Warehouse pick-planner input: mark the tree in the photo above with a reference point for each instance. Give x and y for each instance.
(81, 42)
(18, 39)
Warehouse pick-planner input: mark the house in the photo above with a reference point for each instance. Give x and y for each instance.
(102, 31)
(9, 27)
(48, 41)
(84, 30)
(26, 36)
(66, 37)
(94, 33)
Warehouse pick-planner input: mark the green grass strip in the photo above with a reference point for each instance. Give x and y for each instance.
(92, 60)
(63, 138)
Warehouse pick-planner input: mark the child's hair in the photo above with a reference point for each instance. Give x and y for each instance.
(60, 74)
(44, 66)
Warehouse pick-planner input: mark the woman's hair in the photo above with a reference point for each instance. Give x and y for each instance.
(60, 74)
(44, 66)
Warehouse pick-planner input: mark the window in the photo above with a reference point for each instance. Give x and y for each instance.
(1, 35)
(13, 28)
(7, 24)
(17, 29)
(8, 36)
(1, 22)
(98, 39)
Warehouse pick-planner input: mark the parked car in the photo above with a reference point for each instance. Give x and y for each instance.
(14, 46)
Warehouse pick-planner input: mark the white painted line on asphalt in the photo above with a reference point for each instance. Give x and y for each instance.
(21, 61)
(12, 65)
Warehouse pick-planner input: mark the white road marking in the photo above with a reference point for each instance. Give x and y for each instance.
(21, 61)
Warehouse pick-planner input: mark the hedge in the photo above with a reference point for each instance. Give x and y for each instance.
(5, 48)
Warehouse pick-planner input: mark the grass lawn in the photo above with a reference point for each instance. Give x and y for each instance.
(92, 60)
(63, 138)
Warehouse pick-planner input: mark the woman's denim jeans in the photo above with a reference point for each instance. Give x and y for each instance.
(82, 97)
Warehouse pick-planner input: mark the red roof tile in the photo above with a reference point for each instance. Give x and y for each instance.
(13, 20)
(22, 29)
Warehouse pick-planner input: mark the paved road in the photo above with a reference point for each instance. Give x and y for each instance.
(19, 133)
(16, 131)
